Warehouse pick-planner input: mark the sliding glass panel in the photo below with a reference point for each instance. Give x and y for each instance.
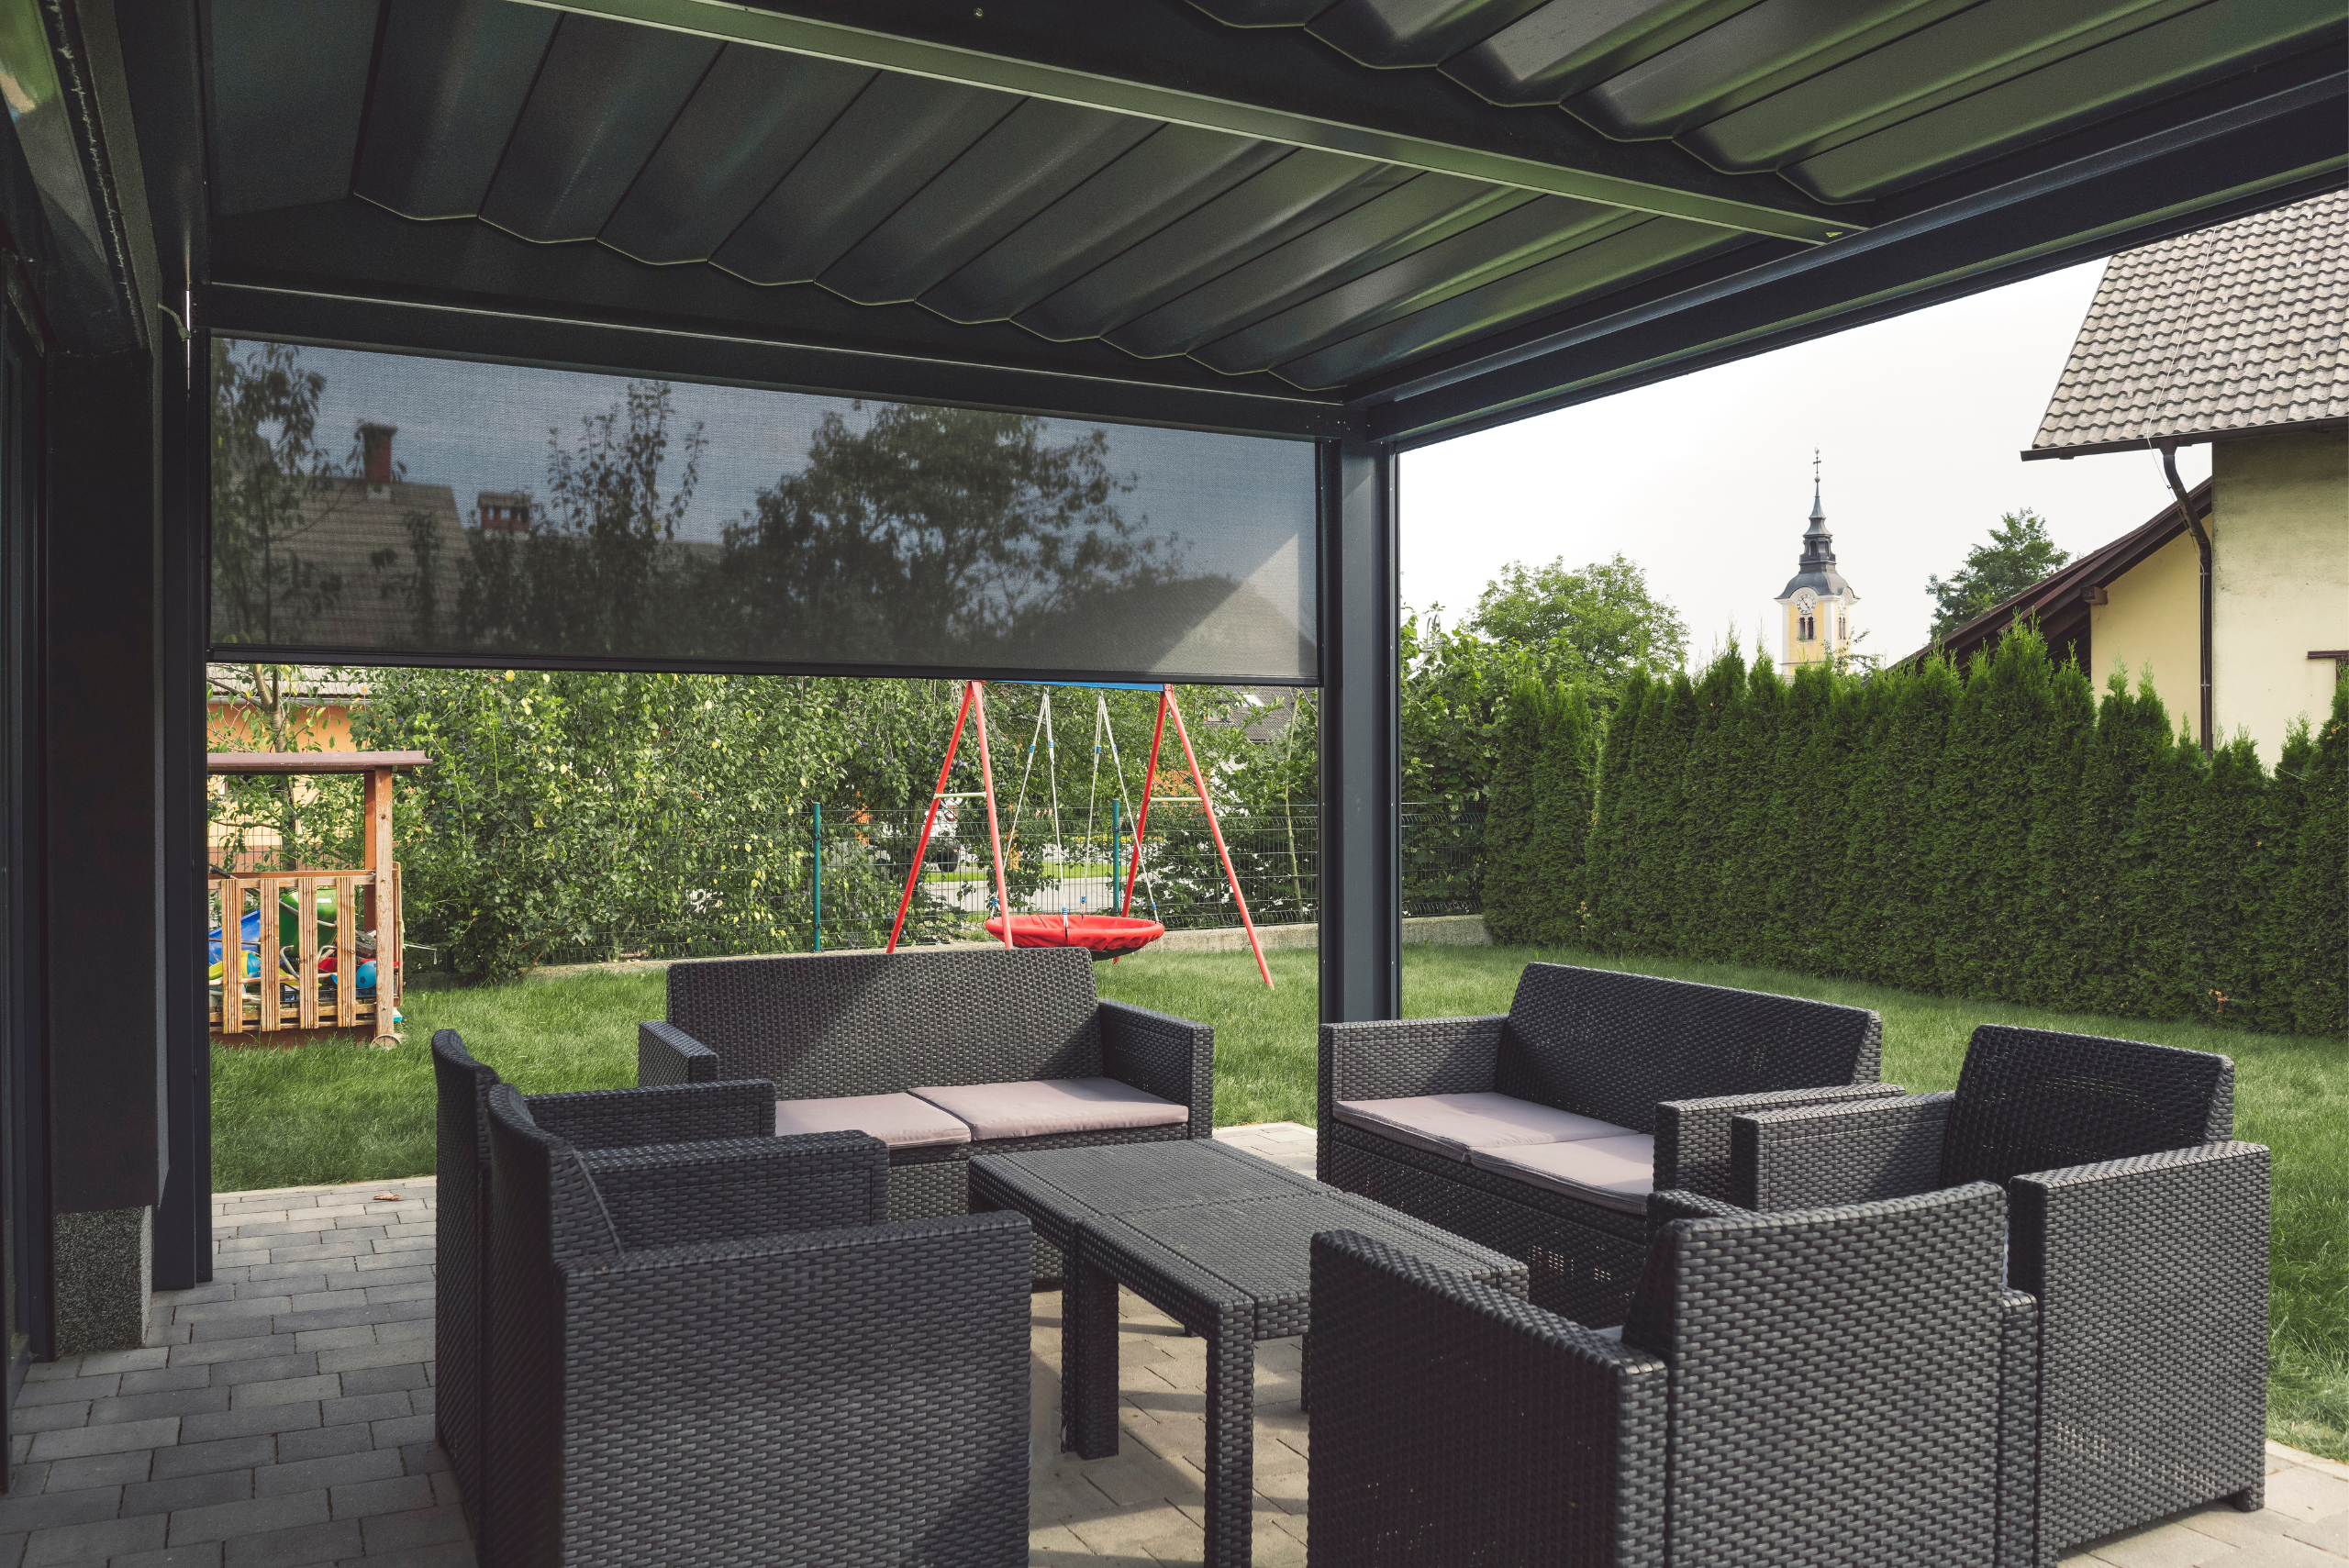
(396, 508)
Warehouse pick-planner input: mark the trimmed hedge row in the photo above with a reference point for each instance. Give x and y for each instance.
(1998, 833)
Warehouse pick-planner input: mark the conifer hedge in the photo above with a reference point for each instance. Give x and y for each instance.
(1997, 832)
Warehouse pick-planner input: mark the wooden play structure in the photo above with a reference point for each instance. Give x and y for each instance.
(290, 950)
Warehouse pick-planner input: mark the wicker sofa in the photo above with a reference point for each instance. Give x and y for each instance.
(723, 1353)
(1845, 1386)
(2142, 1227)
(1540, 1131)
(597, 1119)
(941, 1053)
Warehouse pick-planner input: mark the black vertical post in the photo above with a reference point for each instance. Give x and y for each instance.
(183, 1219)
(1362, 908)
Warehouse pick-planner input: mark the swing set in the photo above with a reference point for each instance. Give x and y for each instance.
(1110, 936)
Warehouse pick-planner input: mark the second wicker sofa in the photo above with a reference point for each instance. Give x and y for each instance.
(1540, 1131)
(941, 1053)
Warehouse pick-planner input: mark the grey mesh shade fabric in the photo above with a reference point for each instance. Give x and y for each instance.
(541, 515)
(1644, 1057)
(1834, 1388)
(827, 1026)
(722, 1354)
(600, 1118)
(2139, 1226)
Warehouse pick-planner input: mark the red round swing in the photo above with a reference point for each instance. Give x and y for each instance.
(1104, 934)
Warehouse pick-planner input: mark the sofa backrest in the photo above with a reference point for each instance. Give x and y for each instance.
(2041, 1100)
(826, 1025)
(1610, 1045)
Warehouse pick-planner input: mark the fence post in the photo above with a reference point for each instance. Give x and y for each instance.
(819, 876)
(1114, 804)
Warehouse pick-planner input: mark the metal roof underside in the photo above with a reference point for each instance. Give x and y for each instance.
(1391, 217)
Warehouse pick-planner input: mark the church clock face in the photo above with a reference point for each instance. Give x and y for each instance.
(1806, 602)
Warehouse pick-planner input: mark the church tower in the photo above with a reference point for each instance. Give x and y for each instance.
(1817, 604)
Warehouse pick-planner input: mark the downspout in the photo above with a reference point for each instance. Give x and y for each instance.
(2203, 546)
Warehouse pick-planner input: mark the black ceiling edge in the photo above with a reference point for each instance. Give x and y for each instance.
(162, 64)
(503, 335)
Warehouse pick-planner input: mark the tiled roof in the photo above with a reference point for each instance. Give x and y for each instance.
(2227, 329)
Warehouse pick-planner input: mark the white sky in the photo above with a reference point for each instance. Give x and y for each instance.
(1705, 480)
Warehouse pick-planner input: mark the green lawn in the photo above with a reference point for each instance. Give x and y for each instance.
(346, 1114)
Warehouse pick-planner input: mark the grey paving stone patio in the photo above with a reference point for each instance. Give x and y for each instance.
(281, 1417)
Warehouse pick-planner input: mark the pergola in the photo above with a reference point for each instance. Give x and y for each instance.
(1367, 224)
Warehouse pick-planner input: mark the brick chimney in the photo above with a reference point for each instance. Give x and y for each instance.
(503, 511)
(376, 440)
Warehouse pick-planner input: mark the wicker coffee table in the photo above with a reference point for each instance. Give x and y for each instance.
(1220, 1241)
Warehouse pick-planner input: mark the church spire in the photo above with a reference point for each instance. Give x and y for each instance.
(1818, 544)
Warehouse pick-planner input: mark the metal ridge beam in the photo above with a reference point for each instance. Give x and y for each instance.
(516, 334)
(2250, 157)
(1167, 61)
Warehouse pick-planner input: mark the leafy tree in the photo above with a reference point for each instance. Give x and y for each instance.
(1717, 773)
(1794, 861)
(1564, 782)
(2219, 896)
(2162, 969)
(1616, 825)
(1591, 627)
(1456, 686)
(2131, 736)
(2314, 920)
(1666, 729)
(2050, 925)
(1516, 894)
(1745, 908)
(1982, 817)
(2020, 553)
(274, 485)
(277, 707)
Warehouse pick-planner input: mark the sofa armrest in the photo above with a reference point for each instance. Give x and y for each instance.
(1692, 1137)
(1666, 1205)
(1398, 1057)
(1445, 1411)
(2152, 1279)
(667, 1054)
(681, 1113)
(1164, 1055)
(2018, 1540)
(1822, 1156)
(678, 1194)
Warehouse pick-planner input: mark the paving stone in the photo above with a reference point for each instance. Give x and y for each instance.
(402, 1430)
(323, 1443)
(338, 1470)
(49, 1418)
(293, 1548)
(404, 1272)
(213, 1329)
(187, 1492)
(93, 1542)
(64, 1390)
(223, 1520)
(196, 1374)
(202, 1457)
(422, 1527)
(264, 1369)
(2308, 1493)
(450, 1554)
(360, 1357)
(172, 1402)
(385, 1379)
(365, 1407)
(326, 1269)
(337, 1338)
(396, 1495)
(204, 1556)
(42, 1511)
(221, 1350)
(299, 1281)
(120, 1438)
(98, 1470)
(247, 1423)
(339, 1248)
(287, 1390)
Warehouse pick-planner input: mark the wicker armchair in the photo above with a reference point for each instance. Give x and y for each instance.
(1634, 1056)
(1836, 1386)
(722, 1353)
(604, 1118)
(827, 1026)
(2139, 1225)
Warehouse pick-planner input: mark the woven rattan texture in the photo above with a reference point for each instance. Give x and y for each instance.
(825, 1025)
(666, 1054)
(2019, 1430)
(1164, 1055)
(1438, 1408)
(1694, 1139)
(828, 1396)
(1070, 1187)
(2039, 1100)
(2152, 1277)
(613, 1118)
(1584, 1260)
(1814, 1156)
(1610, 1045)
(462, 1258)
(745, 1186)
(829, 1399)
(1454, 1424)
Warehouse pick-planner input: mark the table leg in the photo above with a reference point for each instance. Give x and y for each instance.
(1089, 1357)
(1231, 1439)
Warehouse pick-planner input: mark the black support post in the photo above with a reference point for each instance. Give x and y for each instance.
(183, 1219)
(1362, 925)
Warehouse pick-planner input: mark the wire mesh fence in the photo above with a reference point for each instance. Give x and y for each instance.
(834, 878)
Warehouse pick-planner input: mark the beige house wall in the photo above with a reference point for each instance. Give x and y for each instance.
(2151, 620)
(2280, 581)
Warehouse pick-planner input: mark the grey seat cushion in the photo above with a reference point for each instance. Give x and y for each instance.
(1613, 1172)
(901, 1121)
(1045, 1106)
(1455, 1124)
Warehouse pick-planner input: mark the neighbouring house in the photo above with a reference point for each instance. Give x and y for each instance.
(272, 708)
(1815, 606)
(2230, 336)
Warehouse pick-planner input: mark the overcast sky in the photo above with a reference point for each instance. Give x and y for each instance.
(1705, 480)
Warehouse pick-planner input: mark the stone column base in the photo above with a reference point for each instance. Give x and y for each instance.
(104, 1262)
